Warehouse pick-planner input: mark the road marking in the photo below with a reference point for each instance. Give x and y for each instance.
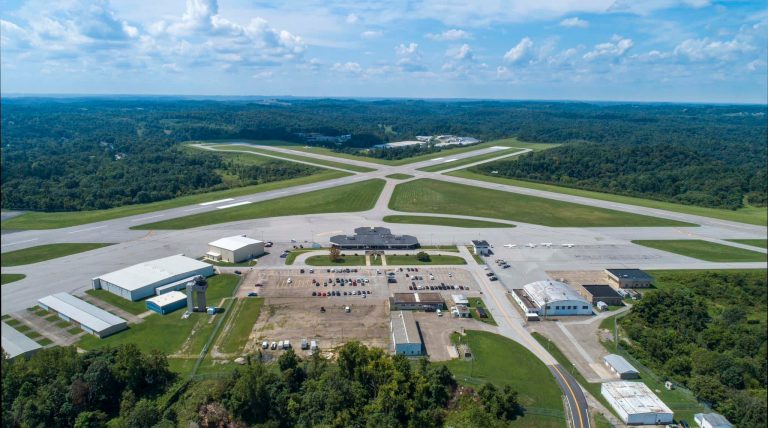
(147, 218)
(85, 230)
(237, 204)
(501, 147)
(575, 401)
(450, 160)
(437, 159)
(19, 242)
(216, 202)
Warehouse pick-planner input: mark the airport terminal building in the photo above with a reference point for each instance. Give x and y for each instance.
(139, 281)
(374, 238)
(551, 298)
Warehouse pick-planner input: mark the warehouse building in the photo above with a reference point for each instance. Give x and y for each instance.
(416, 302)
(635, 403)
(234, 249)
(602, 293)
(167, 302)
(90, 318)
(711, 420)
(405, 334)
(552, 298)
(374, 238)
(621, 366)
(15, 344)
(481, 247)
(628, 278)
(139, 281)
(460, 300)
(530, 309)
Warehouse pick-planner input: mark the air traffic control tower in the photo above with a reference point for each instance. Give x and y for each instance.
(197, 286)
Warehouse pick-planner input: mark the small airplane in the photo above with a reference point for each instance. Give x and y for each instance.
(568, 245)
(546, 244)
(510, 245)
(531, 245)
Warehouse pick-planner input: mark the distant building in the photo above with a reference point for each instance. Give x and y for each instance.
(16, 344)
(551, 298)
(621, 366)
(711, 420)
(636, 404)
(399, 144)
(416, 301)
(374, 238)
(405, 334)
(481, 247)
(460, 300)
(628, 278)
(602, 293)
(234, 249)
(460, 311)
(167, 303)
(90, 318)
(139, 281)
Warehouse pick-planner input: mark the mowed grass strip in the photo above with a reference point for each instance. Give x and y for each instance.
(353, 197)
(119, 302)
(749, 215)
(7, 278)
(704, 250)
(411, 260)
(444, 221)
(54, 220)
(502, 361)
(760, 243)
(435, 196)
(245, 313)
(477, 302)
(291, 156)
(45, 252)
(347, 260)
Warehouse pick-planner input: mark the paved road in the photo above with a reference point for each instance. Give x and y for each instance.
(577, 402)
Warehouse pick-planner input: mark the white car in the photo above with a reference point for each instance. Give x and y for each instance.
(290, 280)
(485, 267)
(450, 275)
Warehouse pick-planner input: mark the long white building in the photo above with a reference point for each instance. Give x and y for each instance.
(139, 281)
(635, 403)
(551, 298)
(16, 344)
(92, 319)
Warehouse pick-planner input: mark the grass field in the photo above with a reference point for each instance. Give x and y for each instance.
(469, 160)
(750, 215)
(7, 278)
(360, 196)
(451, 248)
(434, 196)
(399, 176)
(244, 314)
(761, 243)
(348, 260)
(508, 142)
(704, 250)
(502, 361)
(44, 252)
(411, 260)
(477, 258)
(54, 220)
(315, 161)
(477, 302)
(115, 300)
(443, 221)
(296, 253)
(167, 333)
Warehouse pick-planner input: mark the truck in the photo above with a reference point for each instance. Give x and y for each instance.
(280, 345)
(287, 344)
(347, 309)
(313, 346)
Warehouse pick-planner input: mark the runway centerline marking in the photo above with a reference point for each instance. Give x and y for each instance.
(85, 230)
(216, 202)
(237, 204)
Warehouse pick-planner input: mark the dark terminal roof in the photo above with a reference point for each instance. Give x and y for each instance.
(480, 243)
(601, 291)
(634, 274)
(374, 237)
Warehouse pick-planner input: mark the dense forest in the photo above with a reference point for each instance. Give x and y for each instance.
(101, 152)
(121, 387)
(703, 176)
(707, 331)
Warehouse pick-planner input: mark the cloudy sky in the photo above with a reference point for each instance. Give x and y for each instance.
(644, 50)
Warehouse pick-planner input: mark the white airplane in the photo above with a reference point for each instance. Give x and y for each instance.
(568, 245)
(546, 244)
(531, 245)
(510, 245)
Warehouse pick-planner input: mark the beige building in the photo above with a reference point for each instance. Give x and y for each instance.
(234, 249)
(628, 278)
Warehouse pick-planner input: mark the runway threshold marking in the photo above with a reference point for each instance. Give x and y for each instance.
(86, 230)
(237, 204)
(19, 242)
(216, 202)
(450, 160)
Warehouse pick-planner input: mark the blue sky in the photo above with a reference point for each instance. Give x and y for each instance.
(643, 50)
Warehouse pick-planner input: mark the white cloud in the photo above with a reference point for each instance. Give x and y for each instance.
(706, 49)
(409, 58)
(460, 53)
(371, 34)
(461, 60)
(263, 75)
(520, 52)
(449, 35)
(574, 22)
(347, 67)
(352, 18)
(615, 48)
(756, 64)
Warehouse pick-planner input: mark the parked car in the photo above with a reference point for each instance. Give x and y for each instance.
(237, 272)
(284, 255)
(253, 294)
(322, 308)
(269, 244)
(273, 346)
(264, 344)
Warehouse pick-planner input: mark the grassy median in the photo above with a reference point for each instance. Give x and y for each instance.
(42, 253)
(7, 278)
(444, 221)
(704, 250)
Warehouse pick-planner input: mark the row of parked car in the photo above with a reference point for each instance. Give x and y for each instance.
(352, 282)
(442, 286)
(363, 293)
